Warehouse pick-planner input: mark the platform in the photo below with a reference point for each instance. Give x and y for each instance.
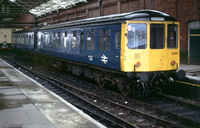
(192, 72)
(24, 103)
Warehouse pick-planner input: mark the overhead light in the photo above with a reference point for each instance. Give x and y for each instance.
(54, 5)
(12, 1)
(157, 19)
(7, 19)
(33, 10)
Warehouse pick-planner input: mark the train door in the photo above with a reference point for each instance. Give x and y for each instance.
(105, 47)
(90, 49)
(116, 46)
(81, 34)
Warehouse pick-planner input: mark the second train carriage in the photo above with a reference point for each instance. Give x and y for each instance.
(131, 50)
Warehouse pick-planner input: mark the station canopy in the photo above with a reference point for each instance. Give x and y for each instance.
(54, 5)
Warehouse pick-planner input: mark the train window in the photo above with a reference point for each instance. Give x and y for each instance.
(22, 39)
(55, 40)
(32, 39)
(29, 39)
(66, 42)
(59, 39)
(18, 39)
(172, 36)
(104, 43)
(42, 39)
(39, 38)
(26, 39)
(118, 40)
(82, 39)
(65, 39)
(137, 36)
(90, 45)
(46, 38)
(157, 36)
(74, 40)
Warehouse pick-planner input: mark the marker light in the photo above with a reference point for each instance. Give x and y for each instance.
(137, 64)
(173, 62)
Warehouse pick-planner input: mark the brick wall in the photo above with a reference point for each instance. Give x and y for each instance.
(183, 10)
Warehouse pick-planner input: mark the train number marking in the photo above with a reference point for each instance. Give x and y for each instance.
(90, 58)
(174, 53)
(104, 59)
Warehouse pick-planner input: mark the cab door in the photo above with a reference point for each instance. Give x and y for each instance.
(116, 46)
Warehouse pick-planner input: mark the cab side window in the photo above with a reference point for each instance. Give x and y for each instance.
(172, 36)
(118, 40)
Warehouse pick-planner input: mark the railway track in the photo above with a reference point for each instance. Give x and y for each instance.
(131, 113)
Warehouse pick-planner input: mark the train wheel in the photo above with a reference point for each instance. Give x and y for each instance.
(102, 84)
(140, 87)
(125, 89)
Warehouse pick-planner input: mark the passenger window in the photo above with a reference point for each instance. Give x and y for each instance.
(90, 45)
(172, 36)
(39, 38)
(46, 38)
(137, 36)
(42, 39)
(23, 39)
(104, 43)
(32, 39)
(117, 40)
(58, 39)
(66, 40)
(82, 39)
(157, 36)
(53, 39)
(74, 40)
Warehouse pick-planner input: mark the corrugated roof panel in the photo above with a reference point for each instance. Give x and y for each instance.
(53, 5)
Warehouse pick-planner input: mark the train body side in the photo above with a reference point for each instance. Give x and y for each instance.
(95, 45)
(24, 41)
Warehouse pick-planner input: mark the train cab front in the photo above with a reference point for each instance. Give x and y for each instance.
(150, 52)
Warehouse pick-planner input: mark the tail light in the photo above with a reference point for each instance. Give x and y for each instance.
(173, 62)
(137, 64)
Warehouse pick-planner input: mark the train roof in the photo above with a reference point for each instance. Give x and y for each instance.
(150, 15)
(27, 30)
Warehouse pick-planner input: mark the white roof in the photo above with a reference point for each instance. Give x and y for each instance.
(53, 5)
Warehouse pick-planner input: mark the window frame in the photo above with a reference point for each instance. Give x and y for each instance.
(164, 33)
(146, 34)
(175, 36)
(91, 33)
(105, 33)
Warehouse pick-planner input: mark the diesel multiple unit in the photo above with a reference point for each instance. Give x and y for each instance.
(132, 51)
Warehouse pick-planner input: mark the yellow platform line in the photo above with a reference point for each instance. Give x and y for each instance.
(194, 34)
(188, 83)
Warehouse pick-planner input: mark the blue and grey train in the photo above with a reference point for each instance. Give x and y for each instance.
(132, 51)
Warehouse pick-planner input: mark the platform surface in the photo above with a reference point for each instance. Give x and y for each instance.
(192, 71)
(24, 103)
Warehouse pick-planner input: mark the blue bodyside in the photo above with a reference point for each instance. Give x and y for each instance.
(108, 59)
(28, 46)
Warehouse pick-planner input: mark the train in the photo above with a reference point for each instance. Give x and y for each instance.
(136, 52)
(5, 47)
